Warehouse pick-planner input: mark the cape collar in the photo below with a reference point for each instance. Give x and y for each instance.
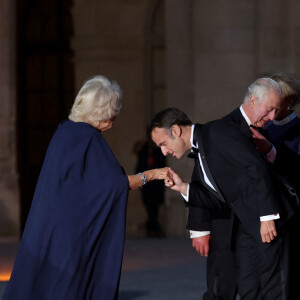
(286, 120)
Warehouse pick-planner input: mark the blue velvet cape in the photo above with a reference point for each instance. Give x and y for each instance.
(72, 245)
(286, 139)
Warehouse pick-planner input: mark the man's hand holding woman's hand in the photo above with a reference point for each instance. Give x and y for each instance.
(172, 179)
(159, 174)
(176, 183)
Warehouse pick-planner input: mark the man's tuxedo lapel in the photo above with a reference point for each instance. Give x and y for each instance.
(245, 130)
(199, 170)
(237, 118)
(198, 138)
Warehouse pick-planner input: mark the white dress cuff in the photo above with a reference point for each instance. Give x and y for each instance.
(186, 197)
(270, 217)
(194, 234)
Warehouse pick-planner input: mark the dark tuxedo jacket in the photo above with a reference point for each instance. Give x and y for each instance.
(202, 218)
(240, 174)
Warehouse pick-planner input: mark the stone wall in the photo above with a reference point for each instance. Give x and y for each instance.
(9, 190)
(214, 50)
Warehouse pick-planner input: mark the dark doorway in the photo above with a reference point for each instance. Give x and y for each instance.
(45, 84)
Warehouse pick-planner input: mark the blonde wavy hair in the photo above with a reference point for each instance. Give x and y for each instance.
(99, 99)
(290, 87)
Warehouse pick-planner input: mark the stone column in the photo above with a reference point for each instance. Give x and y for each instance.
(108, 40)
(278, 38)
(180, 93)
(225, 51)
(9, 189)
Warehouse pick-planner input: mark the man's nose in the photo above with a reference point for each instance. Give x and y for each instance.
(164, 151)
(272, 114)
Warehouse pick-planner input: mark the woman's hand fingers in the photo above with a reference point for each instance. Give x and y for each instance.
(169, 182)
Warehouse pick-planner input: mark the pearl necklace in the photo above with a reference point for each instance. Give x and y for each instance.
(286, 120)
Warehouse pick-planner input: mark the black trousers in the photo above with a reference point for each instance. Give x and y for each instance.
(260, 268)
(291, 258)
(221, 263)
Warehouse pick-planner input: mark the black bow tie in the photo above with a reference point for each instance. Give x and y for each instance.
(194, 153)
(195, 150)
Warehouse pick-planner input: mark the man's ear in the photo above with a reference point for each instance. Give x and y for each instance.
(176, 130)
(252, 101)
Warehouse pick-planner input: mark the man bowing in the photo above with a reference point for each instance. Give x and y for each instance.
(231, 173)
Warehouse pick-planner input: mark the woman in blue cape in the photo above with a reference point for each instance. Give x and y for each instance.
(72, 245)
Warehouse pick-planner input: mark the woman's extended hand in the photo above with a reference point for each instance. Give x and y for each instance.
(158, 174)
(154, 174)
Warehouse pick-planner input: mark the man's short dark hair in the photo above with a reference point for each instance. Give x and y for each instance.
(168, 117)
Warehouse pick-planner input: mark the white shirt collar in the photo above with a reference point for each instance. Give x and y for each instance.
(245, 116)
(192, 136)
